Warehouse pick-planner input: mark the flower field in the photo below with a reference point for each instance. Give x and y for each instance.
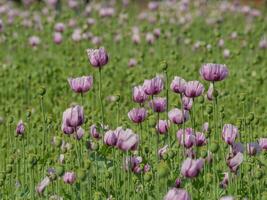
(133, 100)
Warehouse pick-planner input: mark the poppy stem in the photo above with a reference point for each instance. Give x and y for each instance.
(100, 97)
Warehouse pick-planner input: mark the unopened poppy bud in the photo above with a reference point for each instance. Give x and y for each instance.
(214, 147)
(209, 110)
(215, 93)
(251, 116)
(164, 65)
(163, 169)
(201, 99)
(87, 164)
(41, 91)
(148, 176)
(242, 97)
(81, 174)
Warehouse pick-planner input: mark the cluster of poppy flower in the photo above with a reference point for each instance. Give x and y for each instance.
(127, 140)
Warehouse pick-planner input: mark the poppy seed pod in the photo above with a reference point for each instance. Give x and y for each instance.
(97, 57)
(213, 72)
(81, 84)
(137, 115)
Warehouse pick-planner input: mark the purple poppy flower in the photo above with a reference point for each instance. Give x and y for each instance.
(59, 27)
(263, 43)
(200, 139)
(73, 117)
(227, 198)
(81, 84)
(178, 85)
(178, 183)
(126, 139)
(139, 95)
(224, 183)
(69, 177)
(229, 133)
(233, 162)
(162, 151)
(136, 38)
(156, 32)
(57, 38)
(137, 115)
(147, 168)
(210, 93)
(34, 41)
(263, 143)
(213, 72)
(237, 147)
(133, 164)
(150, 38)
(176, 116)
(163, 126)
(186, 137)
(132, 62)
(94, 132)
(97, 57)
(253, 148)
(191, 168)
(20, 129)
(193, 89)
(177, 194)
(42, 185)
(187, 103)
(153, 86)
(158, 104)
(79, 133)
(153, 5)
(110, 138)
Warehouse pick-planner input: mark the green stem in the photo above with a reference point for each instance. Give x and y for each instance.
(100, 97)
